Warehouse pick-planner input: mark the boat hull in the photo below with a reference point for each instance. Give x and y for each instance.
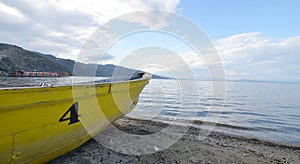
(40, 124)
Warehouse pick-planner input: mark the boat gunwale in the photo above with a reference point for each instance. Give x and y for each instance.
(86, 84)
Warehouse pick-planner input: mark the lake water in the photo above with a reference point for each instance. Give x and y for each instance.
(269, 111)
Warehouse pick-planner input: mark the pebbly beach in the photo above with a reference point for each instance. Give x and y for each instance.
(217, 147)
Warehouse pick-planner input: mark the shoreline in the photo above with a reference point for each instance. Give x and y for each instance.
(217, 147)
(198, 124)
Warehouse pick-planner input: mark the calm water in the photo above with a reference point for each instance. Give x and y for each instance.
(269, 111)
(35, 81)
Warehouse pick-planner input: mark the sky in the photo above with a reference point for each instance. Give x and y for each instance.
(255, 39)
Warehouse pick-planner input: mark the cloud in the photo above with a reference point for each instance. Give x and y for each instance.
(150, 19)
(11, 12)
(158, 60)
(60, 27)
(253, 55)
(105, 11)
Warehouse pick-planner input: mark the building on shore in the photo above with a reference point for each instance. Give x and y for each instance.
(2, 73)
(22, 73)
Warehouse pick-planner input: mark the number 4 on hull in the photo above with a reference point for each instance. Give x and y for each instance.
(73, 110)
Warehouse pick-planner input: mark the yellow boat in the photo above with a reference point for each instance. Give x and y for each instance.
(38, 124)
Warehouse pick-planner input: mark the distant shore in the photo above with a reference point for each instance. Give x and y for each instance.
(216, 148)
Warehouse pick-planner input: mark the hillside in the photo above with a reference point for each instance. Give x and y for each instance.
(90, 69)
(16, 58)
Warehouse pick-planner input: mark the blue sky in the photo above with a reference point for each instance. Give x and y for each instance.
(274, 18)
(254, 39)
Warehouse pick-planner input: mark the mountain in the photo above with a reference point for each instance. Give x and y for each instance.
(265, 81)
(90, 69)
(82, 69)
(16, 58)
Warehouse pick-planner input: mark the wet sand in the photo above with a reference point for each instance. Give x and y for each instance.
(216, 148)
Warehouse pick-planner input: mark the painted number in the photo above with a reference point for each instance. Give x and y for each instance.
(73, 110)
